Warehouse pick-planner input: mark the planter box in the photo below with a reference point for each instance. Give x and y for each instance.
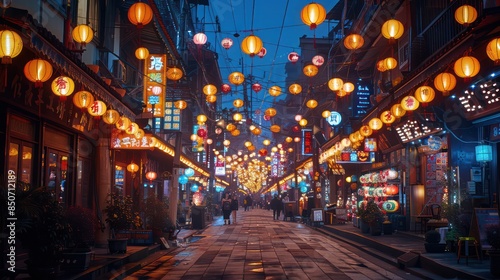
(76, 261)
(137, 237)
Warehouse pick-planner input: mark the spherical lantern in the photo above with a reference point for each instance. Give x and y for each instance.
(298, 118)
(230, 127)
(293, 57)
(387, 117)
(251, 45)
(132, 128)
(201, 119)
(132, 167)
(151, 175)
(392, 30)
(225, 88)
(237, 117)
(140, 14)
(236, 78)
(353, 41)
(381, 66)
(235, 132)
(410, 103)
(310, 70)
(174, 73)
(311, 103)
(445, 82)
(325, 114)
(262, 52)
(63, 86)
(275, 128)
(111, 116)
(237, 103)
(424, 95)
(313, 14)
(83, 34)
(295, 89)
(139, 134)
(348, 87)
(345, 142)
(493, 50)
(97, 109)
(38, 71)
(83, 99)
(209, 89)
(467, 67)
(303, 122)
(397, 110)
(256, 87)
(274, 91)
(226, 43)
(201, 133)
(180, 104)
(141, 53)
(156, 90)
(270, 112)
(390, 63)
(341, 93)
(200, 39)
(365, 130)
(335, 84)
(465, 15)
(11, 45)
(375, 124)
(123, 123)
(183, 179)
(318, 60)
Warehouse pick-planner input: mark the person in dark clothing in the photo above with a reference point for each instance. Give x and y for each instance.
(277, 206)
(247, 202)
(226, 208)
(234, 207)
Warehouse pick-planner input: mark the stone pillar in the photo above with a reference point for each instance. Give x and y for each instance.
(176, 172)
(104, 182)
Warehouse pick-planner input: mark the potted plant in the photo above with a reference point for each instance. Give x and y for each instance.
(119, 217)
(44, 231)
(432, 245)
(451, 239)
(372, 215)
(493, 238)
(82, 221)
(360, 214)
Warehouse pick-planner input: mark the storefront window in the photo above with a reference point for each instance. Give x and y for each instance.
(119, 179)
(56, 174)
(21, 161)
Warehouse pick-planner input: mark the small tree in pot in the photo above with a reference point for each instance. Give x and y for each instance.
(119, 217)
(83, 224)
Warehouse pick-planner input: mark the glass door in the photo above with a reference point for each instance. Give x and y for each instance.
(56, 174)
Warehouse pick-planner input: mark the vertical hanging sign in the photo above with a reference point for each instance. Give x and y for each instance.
(155, 84)
(307, 148)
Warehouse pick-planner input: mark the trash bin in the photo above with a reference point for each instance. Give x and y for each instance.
(198, 217)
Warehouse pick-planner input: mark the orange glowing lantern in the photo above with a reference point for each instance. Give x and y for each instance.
(256, 131)
(303, 122)
(237, 117)
(180, 104)
(11, 45)
(38, 71)
(445, 82)
(251, 45)
(83, 99)
(387, 117)
(274, 91)
(237, 103)
(493, 50)
(392, 30)
(270, 112)
(111, 116)
(311, 103)
(141, 53)
(353, 41)
(375, 124)
(390, 63)
(410, 103)
(235, 132)
(425, 94)
(295, 89)
(275, 128)
(467, 67)
(132, 128)
(97, 109)
(465, 15)
(313, 14)
(335, 84)
(209, 89)
(348, 87)
(174, 73)
(211, 98)
(381, 66)
(140, 14)
(83, 34)
(310, 70)
(365, 130)
(230, 127)
(236, 78)
(397, 110)
(151, 175)
(122, 123)
(63, 87)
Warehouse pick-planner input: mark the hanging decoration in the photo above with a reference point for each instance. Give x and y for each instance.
(295, 89)
(424, 95)
(97, 109)
(310, 70)
(313, 14)
(493, 50)
(467, 67)
(141, 53)
(225, 88)
(251, 45)
(262, 52)
(274, 91)
(256, 87)
(465, 15)
(63, 87)
(227, 43)
(83, 99)
(318, 60)
(83, 34)
(140, 14)
(392, 29)
(111, 116)
(38, 71)
(11, 45)
(445, 82)
(293, 57)
(353, 41)
(236, 78)
(174, 73)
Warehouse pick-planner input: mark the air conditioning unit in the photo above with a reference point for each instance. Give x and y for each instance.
(119, 71)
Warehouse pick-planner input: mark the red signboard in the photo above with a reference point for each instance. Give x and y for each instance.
(307, 145)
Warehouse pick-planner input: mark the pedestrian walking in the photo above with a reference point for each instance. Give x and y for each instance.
(226, 208)
(276, 206)
(234, 207)
(247, 202)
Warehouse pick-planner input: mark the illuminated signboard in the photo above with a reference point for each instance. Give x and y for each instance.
(172, 119)
(122, 140)
(361, 99)
(307, 148)
(155, 83)
(370, 145)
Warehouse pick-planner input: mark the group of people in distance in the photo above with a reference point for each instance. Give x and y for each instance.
(230, 205)
(277, 206)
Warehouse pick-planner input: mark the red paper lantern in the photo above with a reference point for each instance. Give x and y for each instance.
(256, 87)
(225, 88)
(202, 132)
(262, 53)
(293, 57)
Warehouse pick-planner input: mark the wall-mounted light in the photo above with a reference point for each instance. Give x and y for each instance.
(484, 153)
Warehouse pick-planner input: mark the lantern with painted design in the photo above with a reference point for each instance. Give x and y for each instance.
(111, 116)
(424, 95)
(97, 109)
(410, 103)
(295, 89)
(83, 99)
(63, 87)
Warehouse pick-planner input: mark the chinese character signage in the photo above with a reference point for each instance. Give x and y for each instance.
(121, 140)
(172, 119)
(307, 148)
(155, 84)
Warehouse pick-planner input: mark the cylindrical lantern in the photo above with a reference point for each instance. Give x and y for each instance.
(141, 53)
(445, 82)
(424, 95)
(335, 84)
(251, 45)
(174, 73)
(111, 116)
(180, 104)
(274, 91)
(11, 45)
(410, 103)
(375, 124)
(236, 78)
(140, 14)
(353, 41)
(237, 103)
(390, 63)
(83, 99)
(310, 70)
(226, 43)
(295, 89)
(467, 67)
(38, 71)
(97, 109)
(493, 50)
(63, 86)
(311, 103)
(397, 110)
(313, 14)
(83, 34)
(465, 15)
(392, 30)
(199, 39)
(209, 89)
